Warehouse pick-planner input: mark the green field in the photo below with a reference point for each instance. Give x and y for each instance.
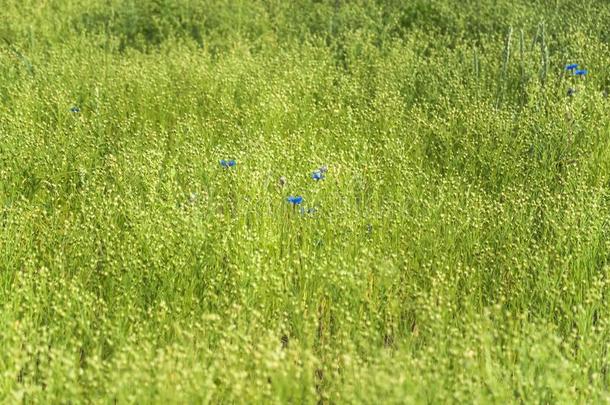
(457, 249)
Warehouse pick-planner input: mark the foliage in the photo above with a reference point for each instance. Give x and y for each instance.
(455, 250)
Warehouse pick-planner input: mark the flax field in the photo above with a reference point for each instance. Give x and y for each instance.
(304, 202)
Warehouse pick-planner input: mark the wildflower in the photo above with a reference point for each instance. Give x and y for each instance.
(282, 181)
(571, 92)
(75, 109)
(581, 72)
(227, 163)
(572, 66)
(317, 175)
(296, 200)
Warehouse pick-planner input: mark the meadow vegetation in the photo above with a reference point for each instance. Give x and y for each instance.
(457, 249)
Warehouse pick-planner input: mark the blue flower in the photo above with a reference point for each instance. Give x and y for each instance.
(296, 200)
(317, 175)
(227, 163)
(571, 66)
(581, 72)
(75, 109)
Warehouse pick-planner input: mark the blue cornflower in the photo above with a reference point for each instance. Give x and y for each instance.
(296, 200)
(571, 66)
(317, 175)
(75, 109)
(581, 72)
(227, 163)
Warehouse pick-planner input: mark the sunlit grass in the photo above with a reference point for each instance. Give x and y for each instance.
(304, 202)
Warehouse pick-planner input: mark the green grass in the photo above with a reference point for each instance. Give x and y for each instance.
(460, 252)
